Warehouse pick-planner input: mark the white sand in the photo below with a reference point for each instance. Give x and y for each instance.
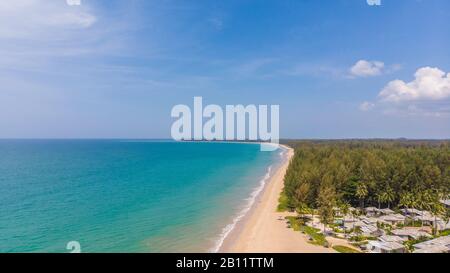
(263, 231)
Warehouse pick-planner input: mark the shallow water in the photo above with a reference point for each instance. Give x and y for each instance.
(125, 196)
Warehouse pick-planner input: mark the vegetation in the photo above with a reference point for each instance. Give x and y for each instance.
(409, 245)
(397, 174)
(444, 233)
(345, 249)
(283, 203)
(314, 234)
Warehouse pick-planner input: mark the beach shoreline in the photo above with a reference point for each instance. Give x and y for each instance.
(263, 229)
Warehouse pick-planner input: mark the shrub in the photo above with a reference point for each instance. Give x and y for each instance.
(345, 249)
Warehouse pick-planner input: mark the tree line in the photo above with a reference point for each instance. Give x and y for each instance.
(381, 173)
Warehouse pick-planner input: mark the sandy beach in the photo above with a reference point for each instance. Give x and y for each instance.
(264, 230)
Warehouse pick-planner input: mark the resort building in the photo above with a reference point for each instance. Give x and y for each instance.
(369, 220)
(392, 238)
(385, 247)
(438, 245)
(393, 219)
(413, 234)
(446, 203)
(426, 218)
(441, 225)
(386, 211)
(370, 230)
(371, 211)
(411, 212)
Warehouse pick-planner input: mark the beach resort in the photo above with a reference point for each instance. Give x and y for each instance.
(274, 227)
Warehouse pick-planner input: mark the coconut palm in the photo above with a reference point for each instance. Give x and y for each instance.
(361, 193)
(381, 198)
(424, 202)
(302, 209)
(437, 209)
(345, 208)
(355, 213)
(406, 202)
(389, 196)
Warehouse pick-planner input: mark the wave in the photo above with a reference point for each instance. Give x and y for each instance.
(250, 201)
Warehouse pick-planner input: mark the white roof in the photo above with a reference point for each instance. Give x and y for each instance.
(387, 211)
(393, 217)
(446, 202)
(371, 209)
(389, 246)
(391, 238)
(426, 218)
(442, 225)
(370, 221)
(411, 233)
(411, 211)
(433, 249)
(440, 241)
(368, 229)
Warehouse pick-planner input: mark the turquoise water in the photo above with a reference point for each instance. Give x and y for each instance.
(124, 196)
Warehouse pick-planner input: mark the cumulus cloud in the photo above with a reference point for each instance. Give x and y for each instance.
(364, 68)
(427, 95)
(366, 106)
(429, 84)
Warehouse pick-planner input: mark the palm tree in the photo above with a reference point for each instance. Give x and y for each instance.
(424, 202)
(381, 198)
(389, 196)
(344, 207)
(446, 217)
(355, 214)
(361, 193)
(405, 201)
(437, 209)
(302, 209)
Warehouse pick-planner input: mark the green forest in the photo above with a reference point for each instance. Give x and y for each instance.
(358, 173)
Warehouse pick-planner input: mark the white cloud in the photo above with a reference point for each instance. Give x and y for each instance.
(253, 66)
(427, 95)
(38, 19)
(429, 84)
(366, 106)
(364, 68)
(36, 34)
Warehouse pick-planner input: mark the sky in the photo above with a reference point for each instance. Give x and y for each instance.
(115, 69)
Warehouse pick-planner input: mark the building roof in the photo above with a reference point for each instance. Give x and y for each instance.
(425, 217)
(388, 246)
(442, 225)
(387, 211)
(416, 234)
(440, 241)
(369, 220)
(393, 217)
(411, 211)
(371, 209)
(446, 202)
(391, 238)
(433, 249)
(368, 229)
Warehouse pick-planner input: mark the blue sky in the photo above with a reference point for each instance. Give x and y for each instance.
(115, 69)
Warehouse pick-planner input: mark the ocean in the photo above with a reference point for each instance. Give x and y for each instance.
(126, 195)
